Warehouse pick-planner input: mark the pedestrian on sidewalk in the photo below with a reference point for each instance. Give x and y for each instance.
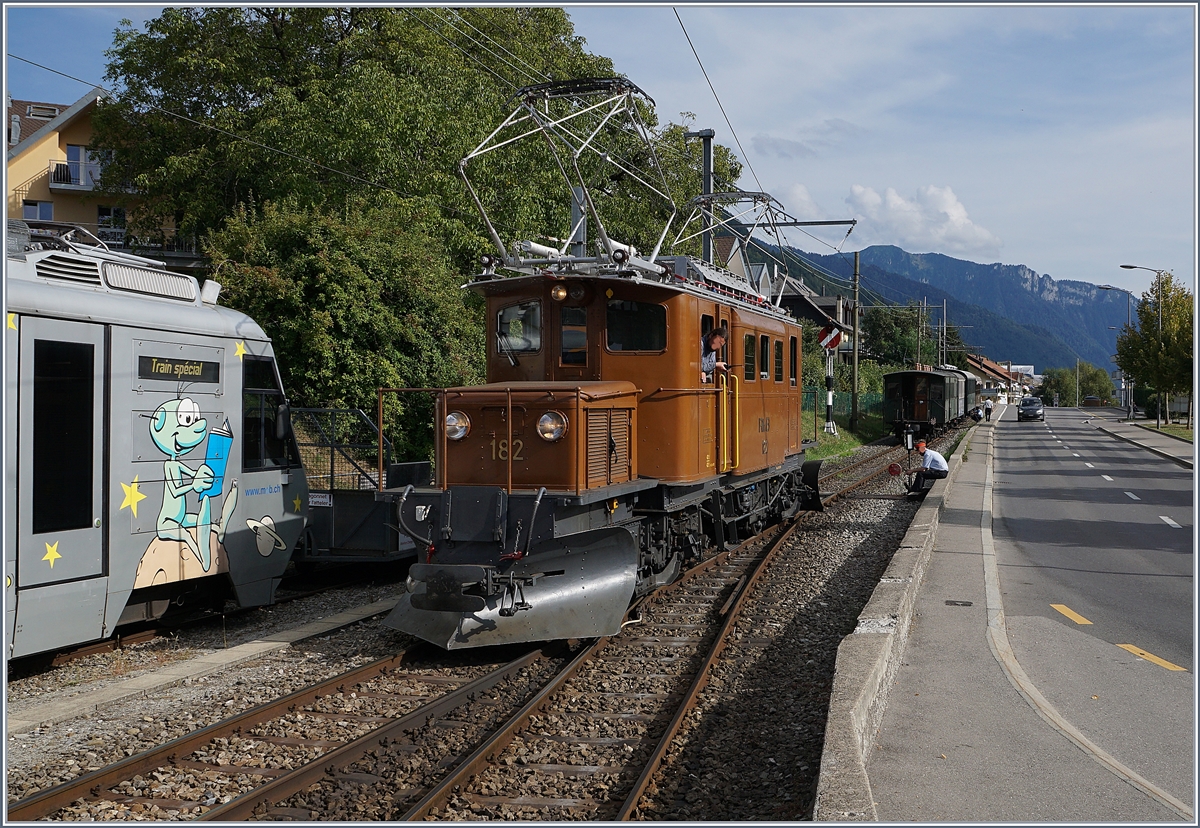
(987, 410)
(933, 467)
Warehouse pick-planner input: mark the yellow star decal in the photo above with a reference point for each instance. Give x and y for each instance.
(12, 321)
(296, 503)
(51, 554)
(132, 496)
(241, 350)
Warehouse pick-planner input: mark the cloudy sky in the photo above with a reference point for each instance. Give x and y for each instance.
(1061, 138)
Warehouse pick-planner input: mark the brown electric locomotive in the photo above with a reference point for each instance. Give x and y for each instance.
(597, 460)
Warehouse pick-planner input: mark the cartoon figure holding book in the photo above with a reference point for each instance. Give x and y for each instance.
(176, 428)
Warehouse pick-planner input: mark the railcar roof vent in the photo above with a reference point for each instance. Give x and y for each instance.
(70, 268)
(152, 282)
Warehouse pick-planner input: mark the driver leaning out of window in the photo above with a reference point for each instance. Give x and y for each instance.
(710, 347)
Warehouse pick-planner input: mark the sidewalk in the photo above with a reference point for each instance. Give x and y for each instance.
(965, 736)
(1170, 448)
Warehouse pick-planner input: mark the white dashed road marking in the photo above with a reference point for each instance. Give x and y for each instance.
(1169, 522)
(1089, 465)
(1073, 454)
(1132, 496)
(1106, 477)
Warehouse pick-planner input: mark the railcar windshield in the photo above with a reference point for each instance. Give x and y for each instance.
(519, 328)
(262, 396)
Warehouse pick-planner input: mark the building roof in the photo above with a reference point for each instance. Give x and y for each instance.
(34, 128)
(992, 368)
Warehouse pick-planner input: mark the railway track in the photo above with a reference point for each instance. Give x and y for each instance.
(613, 712)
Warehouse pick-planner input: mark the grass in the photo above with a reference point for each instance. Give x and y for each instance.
(1174, 429)
(870, 429)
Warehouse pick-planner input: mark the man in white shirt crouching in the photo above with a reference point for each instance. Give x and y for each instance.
(933, 467)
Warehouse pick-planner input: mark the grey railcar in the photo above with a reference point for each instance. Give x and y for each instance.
(149, 453)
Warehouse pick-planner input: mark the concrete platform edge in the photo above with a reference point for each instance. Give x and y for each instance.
(1187, 464)
(867, 661)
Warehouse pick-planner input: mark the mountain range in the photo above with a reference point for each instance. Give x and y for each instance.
(1006, 312)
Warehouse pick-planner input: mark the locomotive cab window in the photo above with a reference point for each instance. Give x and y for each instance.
(262, 396)
(748, 357)
(792, 363)
(574, 336)
(764, 356)
(779, 360)
(519, 328)
(636, 326)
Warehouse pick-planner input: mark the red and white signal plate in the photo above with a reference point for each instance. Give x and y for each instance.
(829, 337)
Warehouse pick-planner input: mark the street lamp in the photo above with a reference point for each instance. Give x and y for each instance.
(1128, 324)
(1158, 275)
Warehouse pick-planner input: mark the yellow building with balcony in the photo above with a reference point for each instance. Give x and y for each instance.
(53, 175)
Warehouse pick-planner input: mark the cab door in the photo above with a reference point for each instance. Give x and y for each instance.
(60, 492)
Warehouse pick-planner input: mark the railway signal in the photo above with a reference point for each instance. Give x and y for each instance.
(829, 338)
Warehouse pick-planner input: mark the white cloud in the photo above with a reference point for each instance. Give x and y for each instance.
(933, 220)
(802, 205)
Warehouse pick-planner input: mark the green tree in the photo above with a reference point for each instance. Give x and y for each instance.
(1093, 381)
(354, 302)
(394, 97)
(1160, 358)
(891, 335)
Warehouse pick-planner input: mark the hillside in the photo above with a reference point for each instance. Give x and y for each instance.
(1013, 312)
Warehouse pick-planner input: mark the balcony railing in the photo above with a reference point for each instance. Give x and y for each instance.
(118, 237)
(74, 175)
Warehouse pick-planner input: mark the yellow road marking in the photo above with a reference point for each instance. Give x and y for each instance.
(1161, 662)
(1070, 613)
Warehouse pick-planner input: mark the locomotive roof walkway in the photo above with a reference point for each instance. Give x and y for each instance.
(936, 719)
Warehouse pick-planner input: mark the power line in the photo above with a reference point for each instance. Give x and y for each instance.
(718, 99)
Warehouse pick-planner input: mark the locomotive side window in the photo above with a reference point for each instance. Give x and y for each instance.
(792, 363)
(519, 327)
(574, 336)
(779, 360)
(261, 398)
(748, 357)
(62, 435)
(636, 326)
(764, 354)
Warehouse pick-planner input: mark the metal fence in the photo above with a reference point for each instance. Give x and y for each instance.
(339, 448)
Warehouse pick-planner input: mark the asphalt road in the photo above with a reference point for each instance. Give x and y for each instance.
(1094, 542)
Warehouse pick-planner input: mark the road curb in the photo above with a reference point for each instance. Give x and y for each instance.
(1187, 464)
(867, 661)
(170, 675)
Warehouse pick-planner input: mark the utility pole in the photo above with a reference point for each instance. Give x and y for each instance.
(945, 343)
(706, 188)
(920, 325)
(854, 362)
(1077, 382)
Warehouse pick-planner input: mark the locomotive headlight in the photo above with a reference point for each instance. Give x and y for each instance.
(458, 425)
(552, 426)
(558, 293)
